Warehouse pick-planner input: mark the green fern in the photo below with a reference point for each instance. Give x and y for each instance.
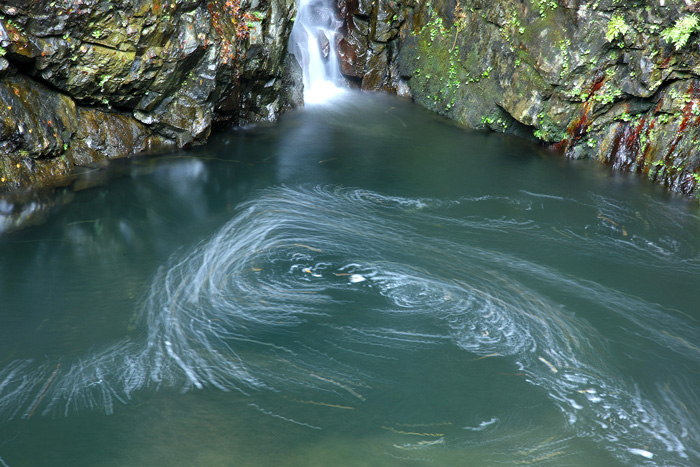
(616, 27)
(679, 33)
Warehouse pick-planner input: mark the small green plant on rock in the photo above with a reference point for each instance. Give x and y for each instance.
(679, 33)
(545, 6)
(495, 123)
(608, 94)
(616, 28)
(564, 49)
(547, 130)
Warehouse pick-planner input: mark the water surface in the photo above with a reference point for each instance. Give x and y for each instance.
(360, 284)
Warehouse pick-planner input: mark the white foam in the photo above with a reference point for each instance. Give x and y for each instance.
(482, 425)
(320, 92)
(641, 452)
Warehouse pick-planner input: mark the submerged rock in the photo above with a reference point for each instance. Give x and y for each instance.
(86, 80)
(616, 82)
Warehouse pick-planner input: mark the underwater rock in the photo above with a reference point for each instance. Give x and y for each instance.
(85, 80)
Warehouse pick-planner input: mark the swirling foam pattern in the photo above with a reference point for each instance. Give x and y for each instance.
(258, 305)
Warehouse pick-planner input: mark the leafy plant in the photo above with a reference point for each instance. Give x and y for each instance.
(564, 48)
(679, 33)
(616, 28)
(608, 94)
(544, 6)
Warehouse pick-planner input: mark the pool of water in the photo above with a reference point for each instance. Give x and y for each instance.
(362, 283)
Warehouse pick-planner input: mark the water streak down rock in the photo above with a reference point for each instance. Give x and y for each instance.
(606, 80)
(85, 80)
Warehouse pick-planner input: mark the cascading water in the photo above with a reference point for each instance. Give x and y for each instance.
(313, 43)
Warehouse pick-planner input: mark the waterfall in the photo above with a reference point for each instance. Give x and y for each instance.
(313, 43)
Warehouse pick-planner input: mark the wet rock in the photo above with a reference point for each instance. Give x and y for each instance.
(368, 49)
(35, 122)
(158, 74)
(107, 135)
(352, 52)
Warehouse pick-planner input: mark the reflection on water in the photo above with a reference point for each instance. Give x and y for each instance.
(359, 277)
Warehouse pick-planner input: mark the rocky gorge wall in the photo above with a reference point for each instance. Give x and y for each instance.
(85, 80)
(611, 80)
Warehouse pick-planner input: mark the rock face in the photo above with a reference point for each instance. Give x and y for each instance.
(85, 80)
(611, 80)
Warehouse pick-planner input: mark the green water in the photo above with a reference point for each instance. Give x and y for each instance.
(360, 284)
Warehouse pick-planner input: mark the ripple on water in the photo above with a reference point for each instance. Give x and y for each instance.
(257, 306)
